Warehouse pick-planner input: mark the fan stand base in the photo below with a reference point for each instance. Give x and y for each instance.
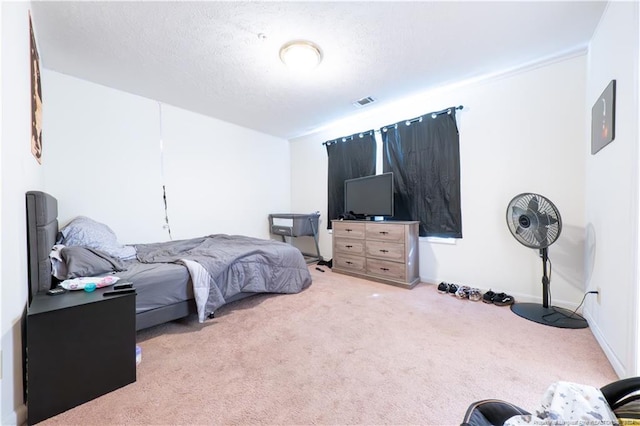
(551, 316)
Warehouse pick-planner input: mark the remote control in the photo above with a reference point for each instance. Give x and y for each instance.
(120, 286)
(56, 291)
(117, 292)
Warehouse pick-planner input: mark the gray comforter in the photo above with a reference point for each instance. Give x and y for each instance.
(222, 266)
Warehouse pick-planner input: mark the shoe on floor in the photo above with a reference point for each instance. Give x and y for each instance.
(474, 294)
(453, 288)
(488, 297)
(443, 287)
(502, 299)
(463, 292)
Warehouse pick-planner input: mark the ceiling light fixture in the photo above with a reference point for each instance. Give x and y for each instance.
(301, 55)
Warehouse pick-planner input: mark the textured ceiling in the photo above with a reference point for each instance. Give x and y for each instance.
(207, 57)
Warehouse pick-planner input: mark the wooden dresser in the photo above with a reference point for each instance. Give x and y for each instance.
(381, 251)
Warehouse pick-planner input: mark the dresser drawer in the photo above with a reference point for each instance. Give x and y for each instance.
(387, 269)
(353, 247)
(385, 232)
(351, 263)
(385, 250)
(348, 230)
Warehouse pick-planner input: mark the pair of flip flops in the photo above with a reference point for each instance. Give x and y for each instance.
(498, 299)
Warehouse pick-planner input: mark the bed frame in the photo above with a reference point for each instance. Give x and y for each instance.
(42, 233)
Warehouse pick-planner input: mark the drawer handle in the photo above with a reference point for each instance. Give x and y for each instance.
(384, 251)
(348, 263)
(384, 232)
(348, 230)
(349, 246)
(384, 269)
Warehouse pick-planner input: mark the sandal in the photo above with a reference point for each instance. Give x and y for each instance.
(443, 287)
(453, 288)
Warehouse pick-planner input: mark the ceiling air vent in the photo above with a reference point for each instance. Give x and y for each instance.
(364, 101)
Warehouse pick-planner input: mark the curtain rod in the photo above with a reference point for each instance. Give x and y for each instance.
(413, 120)
(432, 114)
(349, 138)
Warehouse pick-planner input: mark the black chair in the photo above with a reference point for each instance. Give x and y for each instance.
(494, 412)
(490, 412)
(621, 392)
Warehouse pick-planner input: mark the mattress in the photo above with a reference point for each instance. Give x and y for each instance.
(157, 284)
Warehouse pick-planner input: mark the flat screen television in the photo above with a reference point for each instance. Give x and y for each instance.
(369, 196)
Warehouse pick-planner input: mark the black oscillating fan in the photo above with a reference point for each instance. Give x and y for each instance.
(535, 222)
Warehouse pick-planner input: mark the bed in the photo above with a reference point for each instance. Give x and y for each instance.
(173, 279)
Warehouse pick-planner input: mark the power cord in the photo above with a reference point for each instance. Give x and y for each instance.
(582, 301)
(571, 315)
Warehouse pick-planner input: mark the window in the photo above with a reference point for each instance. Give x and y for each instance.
(424, 156)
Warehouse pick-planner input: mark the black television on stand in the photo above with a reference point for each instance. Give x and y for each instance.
(369, 196)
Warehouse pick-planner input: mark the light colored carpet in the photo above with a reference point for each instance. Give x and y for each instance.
(344, 351)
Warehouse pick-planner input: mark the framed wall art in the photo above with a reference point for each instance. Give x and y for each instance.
(603, 118)
(36, 99)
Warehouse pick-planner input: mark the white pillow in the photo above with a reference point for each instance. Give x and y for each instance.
(86, 232)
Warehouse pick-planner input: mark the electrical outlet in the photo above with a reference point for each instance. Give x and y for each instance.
(599, 295)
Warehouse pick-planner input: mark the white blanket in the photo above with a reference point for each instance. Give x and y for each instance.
(566, 403)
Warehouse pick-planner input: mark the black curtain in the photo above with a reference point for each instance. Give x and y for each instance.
(424, 156)
(349, 157)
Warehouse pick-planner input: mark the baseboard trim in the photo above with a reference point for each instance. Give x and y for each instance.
(17, 417)
(618, 366)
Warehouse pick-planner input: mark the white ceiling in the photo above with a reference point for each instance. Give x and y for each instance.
(207, 57)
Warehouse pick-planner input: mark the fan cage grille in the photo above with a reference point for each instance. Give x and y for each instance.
(533, 220)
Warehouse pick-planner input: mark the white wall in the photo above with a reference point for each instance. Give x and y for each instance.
(222, 178)
(521, 132)
(612, 189)
(1, 321)
(103, 156)
(104, 161)
(19, 172)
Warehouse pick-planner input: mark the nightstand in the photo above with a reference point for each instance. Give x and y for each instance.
(79, 346)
